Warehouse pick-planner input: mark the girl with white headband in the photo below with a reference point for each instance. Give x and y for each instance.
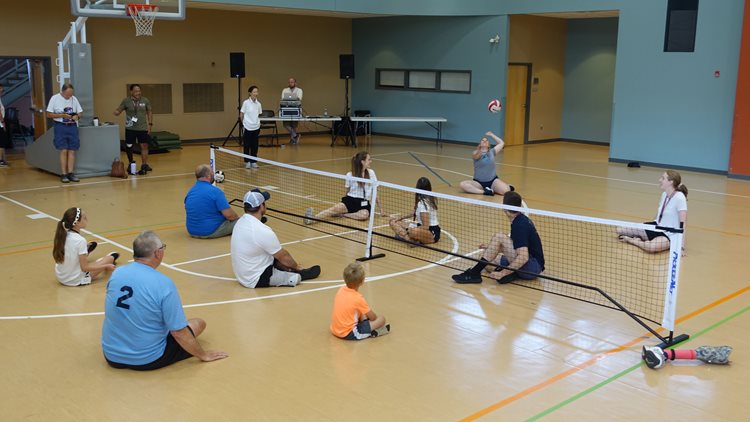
(71, 252)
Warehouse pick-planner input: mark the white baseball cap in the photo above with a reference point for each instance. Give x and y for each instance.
(255, 198)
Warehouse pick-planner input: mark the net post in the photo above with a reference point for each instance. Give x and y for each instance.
(212, 160)
(670, 296)
(368, 243)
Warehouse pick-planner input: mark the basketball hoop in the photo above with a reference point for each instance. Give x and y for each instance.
(143, 16)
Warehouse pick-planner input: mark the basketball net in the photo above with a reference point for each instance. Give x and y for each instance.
(143, 16)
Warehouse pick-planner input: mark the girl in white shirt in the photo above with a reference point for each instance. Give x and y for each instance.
(71, 252)
(356, 204)
(420, 227)
(672, 212)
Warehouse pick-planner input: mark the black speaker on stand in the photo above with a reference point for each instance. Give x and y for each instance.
(236, 70)
(346, 72)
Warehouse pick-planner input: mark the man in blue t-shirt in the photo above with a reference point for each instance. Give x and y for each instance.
(208, 214)
(522, 254)
(145, 327)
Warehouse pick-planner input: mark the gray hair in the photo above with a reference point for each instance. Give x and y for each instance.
(203, 170)
(146, 244)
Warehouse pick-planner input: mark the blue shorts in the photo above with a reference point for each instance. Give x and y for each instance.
(530, 269)
(66, 137)
(361, 332)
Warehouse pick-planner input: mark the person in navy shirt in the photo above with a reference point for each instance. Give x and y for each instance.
(145, 327)
(208, 214)
(521, 253)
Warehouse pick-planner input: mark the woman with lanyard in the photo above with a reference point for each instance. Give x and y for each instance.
(485, 174)
(356, 204)
(672, 213)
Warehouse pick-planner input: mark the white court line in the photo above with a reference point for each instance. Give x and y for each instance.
(585, 175)
(283, 244)
(375, 278)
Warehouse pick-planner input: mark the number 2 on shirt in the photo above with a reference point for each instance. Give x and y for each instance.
(128, 294)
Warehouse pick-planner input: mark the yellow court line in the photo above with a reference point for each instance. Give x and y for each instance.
(592, 361)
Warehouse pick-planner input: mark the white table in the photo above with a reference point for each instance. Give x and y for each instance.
(313, 119)
(433, 122)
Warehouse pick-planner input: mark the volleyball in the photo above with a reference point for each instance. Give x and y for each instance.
(219, 176)
(494, 106)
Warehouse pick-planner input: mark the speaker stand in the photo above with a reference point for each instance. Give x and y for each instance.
(238, 124)
(346, 121)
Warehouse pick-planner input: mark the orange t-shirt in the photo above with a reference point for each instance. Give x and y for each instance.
(348, 306)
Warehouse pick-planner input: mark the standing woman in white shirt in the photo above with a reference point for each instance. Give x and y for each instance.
(249, 114)
(356, 204)
(672, 212)
(71, 252)
(65, 110)
(424, 227)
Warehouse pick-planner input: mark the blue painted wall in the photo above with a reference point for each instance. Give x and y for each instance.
(456, 43)
(589, 79)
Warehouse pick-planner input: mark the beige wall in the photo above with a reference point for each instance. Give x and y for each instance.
(541, 42)
(194, 51)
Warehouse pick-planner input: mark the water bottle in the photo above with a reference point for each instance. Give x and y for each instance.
(325, 111)
(132, 167)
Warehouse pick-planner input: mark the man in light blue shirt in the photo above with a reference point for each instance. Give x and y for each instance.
(145, 327)
(208, 214)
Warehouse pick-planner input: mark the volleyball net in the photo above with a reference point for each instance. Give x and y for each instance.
(584, 260)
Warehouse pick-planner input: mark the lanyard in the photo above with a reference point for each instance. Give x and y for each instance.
(666, 202)
(135, 106)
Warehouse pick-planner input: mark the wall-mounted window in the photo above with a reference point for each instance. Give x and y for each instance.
(424, 80)
(682, 20)
(198, 98)
(160, 96)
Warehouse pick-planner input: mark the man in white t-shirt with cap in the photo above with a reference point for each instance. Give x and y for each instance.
(258, 260)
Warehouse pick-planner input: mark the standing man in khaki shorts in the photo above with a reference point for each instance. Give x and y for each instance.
(138, 122)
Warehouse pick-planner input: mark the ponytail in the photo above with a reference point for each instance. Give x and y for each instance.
(674, 177)
(70, 218)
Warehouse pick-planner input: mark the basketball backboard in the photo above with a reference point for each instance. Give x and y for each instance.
(168, 9)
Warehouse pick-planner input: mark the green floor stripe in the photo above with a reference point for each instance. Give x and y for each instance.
(631, 369)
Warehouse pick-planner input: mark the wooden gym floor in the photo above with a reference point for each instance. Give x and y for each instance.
(484, 351)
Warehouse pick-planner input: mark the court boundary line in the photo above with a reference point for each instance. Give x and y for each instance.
(592, 361)
(172, 267)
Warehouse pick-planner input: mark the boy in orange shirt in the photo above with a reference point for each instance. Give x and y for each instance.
(352, 318)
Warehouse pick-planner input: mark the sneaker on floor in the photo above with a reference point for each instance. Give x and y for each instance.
(73, 178)
(254, 165)
(310, 273)
(381, 331)
(508, 278)
(467, 277)
(309, 213)
(489, 192)
(64, 178)
(146, 167)
(4, 163)
(248, 165)
(114, 255)
(91, 246)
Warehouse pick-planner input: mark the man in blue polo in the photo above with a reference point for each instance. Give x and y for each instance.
(145, 326)
(208, 214)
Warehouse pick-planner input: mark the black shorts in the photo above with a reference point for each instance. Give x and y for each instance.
(435, 230)
(355, 204)
(651, 235)
(131, 136)
(173, 353)
(486, 185)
